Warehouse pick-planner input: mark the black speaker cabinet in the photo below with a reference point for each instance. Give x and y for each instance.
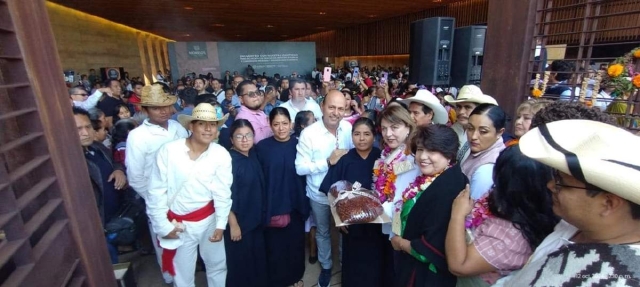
(468, 53)
(430, 51)
(115, 73)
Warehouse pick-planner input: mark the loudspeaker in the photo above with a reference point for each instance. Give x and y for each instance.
(430, 51)
(112, 73)
(468, 53)
(351, 64)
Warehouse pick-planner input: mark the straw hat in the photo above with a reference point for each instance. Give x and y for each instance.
(595, 153)
(440, 115)
(471, 93)
(202, 112)
(155, 96)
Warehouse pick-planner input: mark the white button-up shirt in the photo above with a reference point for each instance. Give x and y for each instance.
(140, 155)
(184, 185)
(314, 147)
(91, 102)
(309, 105)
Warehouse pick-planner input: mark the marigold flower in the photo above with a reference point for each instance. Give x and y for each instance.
(536, 93)
(636, 53)
(636, 81)
(615, 70)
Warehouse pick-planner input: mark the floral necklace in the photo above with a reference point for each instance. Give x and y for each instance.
(384, 177)
(479, 213)
(419, 184)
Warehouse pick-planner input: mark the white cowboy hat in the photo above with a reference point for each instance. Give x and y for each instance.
(595, 153)
(155, 96)
(202, 112)
(440, 115)
(471, 93)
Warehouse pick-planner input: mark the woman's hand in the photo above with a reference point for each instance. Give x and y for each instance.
(463, 204)
(236, 233)
(400, 244)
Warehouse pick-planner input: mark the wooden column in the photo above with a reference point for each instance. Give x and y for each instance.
(143, 59)
(508, 48)
(152, 59)
(159, 56)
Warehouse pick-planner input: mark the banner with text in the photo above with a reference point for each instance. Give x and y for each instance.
(195, 58)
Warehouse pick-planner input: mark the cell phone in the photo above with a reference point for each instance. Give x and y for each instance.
(356, 74)
(384, 78)
(326, 76)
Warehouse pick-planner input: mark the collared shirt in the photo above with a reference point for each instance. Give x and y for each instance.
(186, 111)
(184, 185)
(309, 105)
(235, 102)
(269, 107)
(91, 102)
(315, 145)
(142, 144)
(259, 122)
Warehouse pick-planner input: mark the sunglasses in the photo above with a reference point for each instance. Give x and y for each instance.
(252, 94)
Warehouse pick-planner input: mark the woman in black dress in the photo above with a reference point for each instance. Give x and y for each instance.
(425, 210)
(366, 252)
(287, 205)
(244, 236)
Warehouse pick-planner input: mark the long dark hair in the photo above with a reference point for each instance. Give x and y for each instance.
(121, 130)
(520, 195)
(301, 121)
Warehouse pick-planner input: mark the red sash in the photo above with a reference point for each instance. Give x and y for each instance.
(197, 215)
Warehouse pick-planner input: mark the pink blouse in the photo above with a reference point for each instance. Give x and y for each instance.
(502, 245)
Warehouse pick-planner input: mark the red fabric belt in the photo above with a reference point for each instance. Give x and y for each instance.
(197, 215)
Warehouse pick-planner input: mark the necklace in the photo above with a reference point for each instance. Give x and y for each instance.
(384, 176)
(421, 183)
(479, 213)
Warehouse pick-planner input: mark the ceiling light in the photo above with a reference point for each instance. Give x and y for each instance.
(188, 8)
(372, 16)
(217, 25)
(323, 13)
(269, 26)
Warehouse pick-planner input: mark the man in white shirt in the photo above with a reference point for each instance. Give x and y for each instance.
(81, 98)
(299, 102)
(321, 145)
(217, 89)
(469, 97)
(189, 199)
(144, 141)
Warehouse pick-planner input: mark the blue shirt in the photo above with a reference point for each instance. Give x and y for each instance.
(268, 107)
(186, 111)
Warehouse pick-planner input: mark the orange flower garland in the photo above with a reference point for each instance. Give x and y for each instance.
(636, 81)
(615, 70)
(536, 93)
(636, 53)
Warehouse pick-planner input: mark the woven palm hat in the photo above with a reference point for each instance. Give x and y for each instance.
(202, 112)
(155, 96)
(440, 115)
(598, 154)
(473, 94)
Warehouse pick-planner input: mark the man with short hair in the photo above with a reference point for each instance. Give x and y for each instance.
(107, 177)
(134, 99)
(250, 110)
(425, 109)
(320, 146)
(216, 85)
(81, 98)
(144, 141)
(469, 97)
(299, 102)
(110, 100)
(188, 102)
(594, 191)
(284, 89)
(200, 84)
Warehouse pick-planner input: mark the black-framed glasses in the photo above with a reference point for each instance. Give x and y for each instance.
(558, 185)
(252, 94)
(240, 137)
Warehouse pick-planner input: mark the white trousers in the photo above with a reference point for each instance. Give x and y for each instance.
(166, 276)
(196, 235)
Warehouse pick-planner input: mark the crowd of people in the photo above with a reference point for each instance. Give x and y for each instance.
(235, 170)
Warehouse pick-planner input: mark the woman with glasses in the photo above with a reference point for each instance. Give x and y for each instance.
(244, 236)
(505, 226)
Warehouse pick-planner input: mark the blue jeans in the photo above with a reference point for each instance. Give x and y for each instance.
(322, 215)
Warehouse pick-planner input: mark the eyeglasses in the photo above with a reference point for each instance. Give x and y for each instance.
(82, 94)
(252, 94)
(240, 137)
(557, 179)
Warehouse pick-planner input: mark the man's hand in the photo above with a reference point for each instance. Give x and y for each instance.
(336, 155)
(174, 234)
(120, 179)
(217, 236)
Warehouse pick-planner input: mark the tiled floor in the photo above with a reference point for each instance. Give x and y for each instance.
(148, 272)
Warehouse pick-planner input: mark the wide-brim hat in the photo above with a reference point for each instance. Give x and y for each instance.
(202, 112)
(473, 94)
(440, 115)
(598, 154)
(155, 96)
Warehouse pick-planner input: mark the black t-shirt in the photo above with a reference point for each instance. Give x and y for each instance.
(108, 105)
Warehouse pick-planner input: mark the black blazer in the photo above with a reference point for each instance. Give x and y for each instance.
(426, 228)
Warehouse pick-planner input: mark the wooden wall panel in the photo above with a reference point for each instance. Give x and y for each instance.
(391, 36)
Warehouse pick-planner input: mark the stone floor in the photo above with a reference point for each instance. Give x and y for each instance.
(147, 271)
